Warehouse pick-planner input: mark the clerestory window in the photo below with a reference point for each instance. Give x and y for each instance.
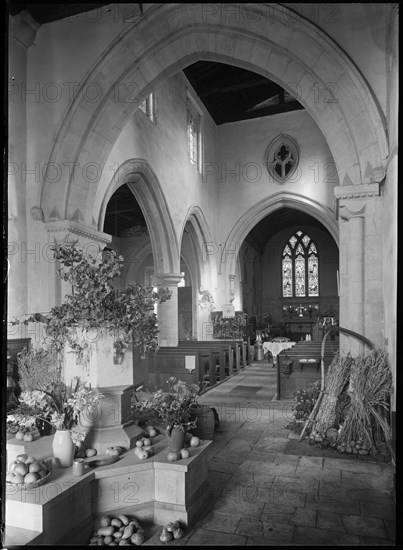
(194, 133)
(148, 106)
(300, 267)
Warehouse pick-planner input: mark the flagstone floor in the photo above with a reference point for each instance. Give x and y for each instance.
(257, 494)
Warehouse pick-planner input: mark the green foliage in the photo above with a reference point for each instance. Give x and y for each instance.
(305, 402)
(231, 328)
(95, 303)
(172, 404)
(45, 396)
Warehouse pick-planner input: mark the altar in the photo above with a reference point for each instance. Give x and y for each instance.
(276, 347)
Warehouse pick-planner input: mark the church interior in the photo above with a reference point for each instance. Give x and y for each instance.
(243, 156)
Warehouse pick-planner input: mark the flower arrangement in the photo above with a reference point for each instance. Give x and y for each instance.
(46, 397)
(229, 328)
(206, 301)
(95, 303)
(173, 404)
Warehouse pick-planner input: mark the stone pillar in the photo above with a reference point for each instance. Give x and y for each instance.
(358, 251)
(112, 425)
(167, 312)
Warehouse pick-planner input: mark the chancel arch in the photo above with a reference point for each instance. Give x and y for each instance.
(264, 208)
(297, 56)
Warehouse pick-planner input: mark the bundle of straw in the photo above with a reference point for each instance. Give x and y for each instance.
(369, 390)
(336, 379)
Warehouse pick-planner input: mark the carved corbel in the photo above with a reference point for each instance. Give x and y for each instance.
(346, 214)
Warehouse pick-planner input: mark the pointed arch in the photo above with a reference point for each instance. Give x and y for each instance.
(264, 208)
(144, 184)
(272, 40)
(200, 236)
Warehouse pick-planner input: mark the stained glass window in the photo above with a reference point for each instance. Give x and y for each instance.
(287, 275)
(300, 267)
(292, 241)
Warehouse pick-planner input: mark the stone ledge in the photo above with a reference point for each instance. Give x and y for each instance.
(50, 512)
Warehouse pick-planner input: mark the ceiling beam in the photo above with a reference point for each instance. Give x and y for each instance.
(225, 88)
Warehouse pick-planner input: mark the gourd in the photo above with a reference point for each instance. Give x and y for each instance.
(128, 532)
(105, 531)
(166, 536)
(178, 533)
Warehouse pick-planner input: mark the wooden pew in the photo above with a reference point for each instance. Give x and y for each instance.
(236, 352)
(299, 366)
(214, 360)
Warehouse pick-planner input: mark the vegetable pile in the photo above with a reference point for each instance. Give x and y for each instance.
(118, 531)
(171, 531)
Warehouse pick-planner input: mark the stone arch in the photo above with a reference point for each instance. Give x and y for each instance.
(144, 184)
(260, 210)
(200, 237)
(269, 39)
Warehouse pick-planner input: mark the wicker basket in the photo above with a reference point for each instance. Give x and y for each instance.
(26, 486)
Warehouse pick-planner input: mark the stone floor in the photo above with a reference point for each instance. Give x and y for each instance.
(257, 494)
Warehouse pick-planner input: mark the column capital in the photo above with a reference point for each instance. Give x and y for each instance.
(24, 28)
(166, 279)
(68, 231)
(363, 190)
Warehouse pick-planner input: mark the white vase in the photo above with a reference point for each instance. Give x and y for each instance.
(63, 449)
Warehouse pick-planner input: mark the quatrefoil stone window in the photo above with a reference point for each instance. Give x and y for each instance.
(282, 157)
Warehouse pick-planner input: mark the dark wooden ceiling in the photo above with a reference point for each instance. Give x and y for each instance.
(230, 93)
(123, 212)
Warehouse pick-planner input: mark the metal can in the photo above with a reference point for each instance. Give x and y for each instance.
(78, 467)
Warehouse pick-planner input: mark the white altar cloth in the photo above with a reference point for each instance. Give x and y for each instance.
(276, 347)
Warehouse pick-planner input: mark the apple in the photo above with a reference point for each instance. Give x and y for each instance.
(12, 464)
(90, 452)
(172, 456)
(34, 467)
(10, 476)
(139, 443)
(146, 442)
(195, 441)
(113, 451)
(19, 435)
(28, 437)
(152, 432)
(31, 477)
(185, 453)
(143, 454)
(20, 468)
(22, 458)
(18, 479)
